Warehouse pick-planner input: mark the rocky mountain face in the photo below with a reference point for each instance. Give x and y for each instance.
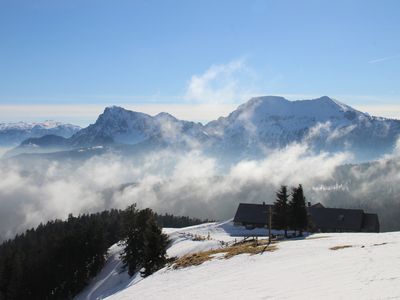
(254, 128)
(120, 126)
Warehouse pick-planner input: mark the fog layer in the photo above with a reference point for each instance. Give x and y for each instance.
(191, 184)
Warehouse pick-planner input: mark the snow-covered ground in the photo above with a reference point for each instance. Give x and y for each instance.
(300, 269)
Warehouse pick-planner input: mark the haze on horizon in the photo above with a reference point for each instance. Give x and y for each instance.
(67, 60)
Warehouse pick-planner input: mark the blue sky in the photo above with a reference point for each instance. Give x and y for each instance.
(66, 60)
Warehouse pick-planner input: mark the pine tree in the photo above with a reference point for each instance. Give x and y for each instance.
(298, 211)
(281, 210)
(15, 290)
(132, 250)
(145, 245)
(156, 244)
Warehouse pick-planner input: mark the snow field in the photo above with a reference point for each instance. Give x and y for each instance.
(300, 269)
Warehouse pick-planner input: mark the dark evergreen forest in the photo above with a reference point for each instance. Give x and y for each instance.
(56, 260)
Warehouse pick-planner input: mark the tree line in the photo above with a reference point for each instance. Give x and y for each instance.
(289, 210)
(56, 260)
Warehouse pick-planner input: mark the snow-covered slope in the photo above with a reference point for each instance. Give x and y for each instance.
(299, 269)
(12, 134)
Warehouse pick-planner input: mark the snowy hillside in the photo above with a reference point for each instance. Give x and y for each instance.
(320, 266)
(12, 134)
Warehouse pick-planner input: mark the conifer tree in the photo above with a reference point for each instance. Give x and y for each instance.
(15, 289)
(156, 244)
(298, 211)
(131, 254)
(281, 210)
(145, 245)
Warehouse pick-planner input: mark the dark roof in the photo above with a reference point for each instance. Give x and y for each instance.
(370, 223)
(319, 205)
(336, 218)
(322, 218)
(252, 213)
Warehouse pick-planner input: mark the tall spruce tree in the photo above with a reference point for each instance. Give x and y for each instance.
(155, 243)
(133, 239)
(298, 211)
(145, 245)
(280, 217)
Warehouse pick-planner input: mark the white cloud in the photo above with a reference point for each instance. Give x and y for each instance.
(318, 130)
(382, 59)
(223, 83)
(190, 184)
(4, 150)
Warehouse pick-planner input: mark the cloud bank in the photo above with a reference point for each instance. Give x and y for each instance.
(192, 184)
(35, 190)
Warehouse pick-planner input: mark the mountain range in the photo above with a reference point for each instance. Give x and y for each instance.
(12, 134)
(252, 130)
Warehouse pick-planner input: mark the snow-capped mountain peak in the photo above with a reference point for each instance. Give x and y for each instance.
(271, 122)
(48, 124)
(321, 108)
(165, 116)
(118, 114)
(121, 126)
(12, 134)
(262, 123)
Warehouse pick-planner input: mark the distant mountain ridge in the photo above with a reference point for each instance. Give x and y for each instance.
(12, 134)
(326, 124)
(255, 127)
(121, 126)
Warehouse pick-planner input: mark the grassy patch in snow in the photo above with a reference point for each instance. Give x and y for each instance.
(340, 247)
(249, 247)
